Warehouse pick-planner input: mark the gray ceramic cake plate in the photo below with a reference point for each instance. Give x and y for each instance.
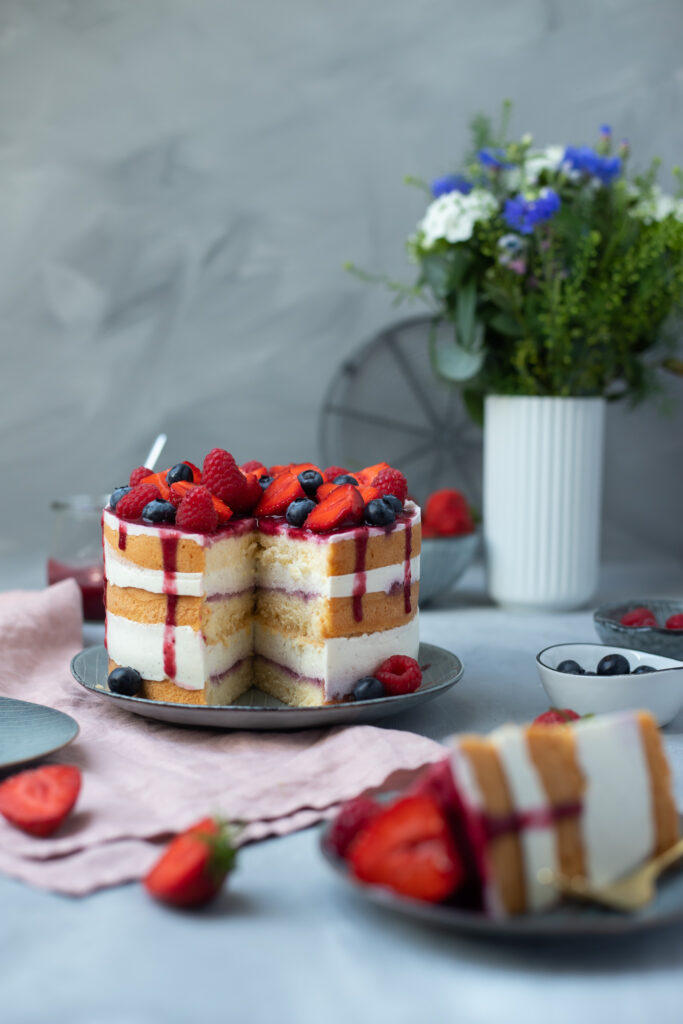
(256, 710)
(29, 731)
(568, 920)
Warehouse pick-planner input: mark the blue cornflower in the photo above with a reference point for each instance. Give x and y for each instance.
(522, 214)
(493, 158)
(587, 161)
(450, 183)
(606, 129)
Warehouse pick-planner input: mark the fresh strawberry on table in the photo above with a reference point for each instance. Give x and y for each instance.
(39, 800)
(194, 865)
(409, 848)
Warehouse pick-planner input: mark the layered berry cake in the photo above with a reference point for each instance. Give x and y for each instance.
(298, 581)
(494, 822)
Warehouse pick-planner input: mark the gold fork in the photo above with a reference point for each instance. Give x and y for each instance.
(629, 893)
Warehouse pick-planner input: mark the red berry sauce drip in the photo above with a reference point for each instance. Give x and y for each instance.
(169, 551)
(518, 821)
(123, 533)
(407, 604)
(360, 581)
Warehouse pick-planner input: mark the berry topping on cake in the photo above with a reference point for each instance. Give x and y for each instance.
(613, 665)
(399, 674)
(193, 867)
(158, 511)
(265, 481)
(223, 477)
(116, 495)
(353, 817)
(342, 507)
(181, 471)
(310, 480)
(638, 617)
(130, 506)
(369, 493)
(196, 511)
(369, 688)
(125, 680)
(391, 481)
(325, 489)
(158, 480)
(395, 503)
(408, 848)
(447, 514)
(675, 621)
(331, 472)
(379, 513)
(38, 801)
(367, 475)
(556, 716)
(178, 491)
(279, 495)
(223, 511)
(298, 511)
(345, 478)
(253, 466)
(138, 475)
(250, 495)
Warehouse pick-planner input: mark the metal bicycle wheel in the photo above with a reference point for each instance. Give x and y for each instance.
(385, 403)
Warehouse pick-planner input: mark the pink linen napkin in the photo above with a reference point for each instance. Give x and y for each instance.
(144, 780)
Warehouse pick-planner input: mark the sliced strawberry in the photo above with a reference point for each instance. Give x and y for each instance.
(277, 470)
(223, 511)
(159, 480)
(409, 848)
(556, 716)
(300, 467)
(349, 823)
(325, 489)
(250, 495)
(38, 801)
(370, 493)
(253, 466)
(196, 472)
(192, 868)
(178, 491)
(278, 495)
(342, 507)
(367, 475)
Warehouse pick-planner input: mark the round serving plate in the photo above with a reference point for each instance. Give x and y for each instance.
(29, 731)
(257, 710)
(567, 920)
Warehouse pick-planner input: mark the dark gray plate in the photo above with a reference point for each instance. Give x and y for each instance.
(566, 920)
(29, 731)
(257, 710)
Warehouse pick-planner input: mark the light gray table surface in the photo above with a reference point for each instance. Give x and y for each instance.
(288, 942)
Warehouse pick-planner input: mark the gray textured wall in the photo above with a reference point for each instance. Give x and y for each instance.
(180, 183)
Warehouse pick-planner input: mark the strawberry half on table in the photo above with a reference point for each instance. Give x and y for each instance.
(193, 867)
(39, 800)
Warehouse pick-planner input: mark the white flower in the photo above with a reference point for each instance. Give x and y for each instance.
(517, 179)
(657, 205)
(452, 217)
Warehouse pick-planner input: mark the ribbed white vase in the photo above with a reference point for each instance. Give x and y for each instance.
(543, 465)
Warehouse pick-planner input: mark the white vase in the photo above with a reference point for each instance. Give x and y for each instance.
(543, 466)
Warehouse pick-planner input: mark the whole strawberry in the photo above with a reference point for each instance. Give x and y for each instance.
(193, 867)
(556, 716)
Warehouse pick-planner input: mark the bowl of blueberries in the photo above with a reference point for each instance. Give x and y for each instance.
(654, 625)
(596, 678)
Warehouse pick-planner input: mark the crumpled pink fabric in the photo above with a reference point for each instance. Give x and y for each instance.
(144, 780)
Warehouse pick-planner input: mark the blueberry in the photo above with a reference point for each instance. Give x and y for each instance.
(127, 681)
(264, 481)
(159, 512)
(394, 502)
(642, 669)
(310, 480)
(379, 512)
(613, 665)
(368, 688)
(344, 478)
(570, 666)
(298, 510)
(181, 471)
(117, 495)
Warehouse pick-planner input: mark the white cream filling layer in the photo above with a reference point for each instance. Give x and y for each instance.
(228, 579)
(340, 661)
(141, 644)
(539, 845)
(617, 820)
(291, 578)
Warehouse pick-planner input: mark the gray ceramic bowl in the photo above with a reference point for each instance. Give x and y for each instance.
(655, 640)
(443, 561)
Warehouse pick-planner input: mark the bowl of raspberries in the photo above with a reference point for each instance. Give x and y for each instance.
(654, 625)
(450, 542)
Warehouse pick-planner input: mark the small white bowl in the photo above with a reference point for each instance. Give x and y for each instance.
(660, 692)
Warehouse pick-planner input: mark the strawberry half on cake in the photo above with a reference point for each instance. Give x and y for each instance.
(300, 582)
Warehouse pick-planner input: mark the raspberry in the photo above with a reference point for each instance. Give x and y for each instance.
(196, 511)
(224, 478)
(138, 475)
(391, 481)
(351, 820)
(332, 471)
(399, 674)
(675, 621)
(130, 506)
(447, 513)
(638, 617)
(252, 466)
